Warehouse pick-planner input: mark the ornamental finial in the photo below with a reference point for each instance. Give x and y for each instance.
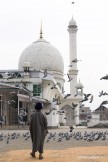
(41, 31)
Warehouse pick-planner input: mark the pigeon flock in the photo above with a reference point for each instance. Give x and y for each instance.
(57, 136)
(89, 97)
(91, 136)
(7, 137)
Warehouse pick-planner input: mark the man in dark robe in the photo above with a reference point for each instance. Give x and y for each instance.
(38, 130)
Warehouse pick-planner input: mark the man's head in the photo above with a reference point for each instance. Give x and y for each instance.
(38, 106)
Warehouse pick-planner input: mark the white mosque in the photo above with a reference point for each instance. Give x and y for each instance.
(40, 77)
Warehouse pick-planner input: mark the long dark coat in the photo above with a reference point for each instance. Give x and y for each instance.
(38, 129)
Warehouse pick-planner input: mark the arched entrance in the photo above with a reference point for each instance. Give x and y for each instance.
(69, 114)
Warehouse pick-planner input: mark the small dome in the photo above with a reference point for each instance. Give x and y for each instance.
(79, 85)
(72, 22)
(26, 64)
(42, 55)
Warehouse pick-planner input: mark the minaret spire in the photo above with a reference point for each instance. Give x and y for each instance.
(72, 7)
(41, 31)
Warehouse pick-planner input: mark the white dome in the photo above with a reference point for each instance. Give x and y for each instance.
(42, 55)
(72, 22)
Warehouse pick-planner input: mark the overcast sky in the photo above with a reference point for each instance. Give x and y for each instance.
(20, 26)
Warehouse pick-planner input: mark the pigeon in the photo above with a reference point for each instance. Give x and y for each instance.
(75, 116)
(54, 86)
(91, 99)
(85, 97)
(75, 95)
(1, 137)
(103, 137)
(104, 77)
(67, 95)
(47, 113)
(102, 93)
(104, 102)
(17, 85)
(102, 107)
(54, 99)
(60, 111)
(63, 91)
(26, 89)
(60, 139)
(58, 101)
(74, 105)
(45, 73)
(75, 60)
(81, 105)
(69, 77)
(70, 65)
(83, 110)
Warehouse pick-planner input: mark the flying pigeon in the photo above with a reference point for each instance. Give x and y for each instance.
(70, 65)
(85, 97)
(58, 101)
(75, 95)
(67, 95)
(69, 77)
(75, 60)
(104, 102)
(102, 93)
(63, 91)
(74, 105)
(91, 99)
(75, 116)
(104, 77)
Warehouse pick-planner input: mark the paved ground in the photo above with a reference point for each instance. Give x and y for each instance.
(17, 147)
(23, 141)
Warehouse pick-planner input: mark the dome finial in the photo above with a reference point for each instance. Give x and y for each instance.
(41, 31)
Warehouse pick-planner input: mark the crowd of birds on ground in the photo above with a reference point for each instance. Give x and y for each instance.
(7, 137)
(58, 136)
(91, 136)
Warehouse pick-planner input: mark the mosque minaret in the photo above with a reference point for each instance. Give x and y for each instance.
(72, 29)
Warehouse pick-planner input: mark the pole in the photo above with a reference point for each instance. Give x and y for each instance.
(1, 105)
(1, 108)
(18, 102)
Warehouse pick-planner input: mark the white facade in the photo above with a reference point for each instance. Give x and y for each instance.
(33, 62)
